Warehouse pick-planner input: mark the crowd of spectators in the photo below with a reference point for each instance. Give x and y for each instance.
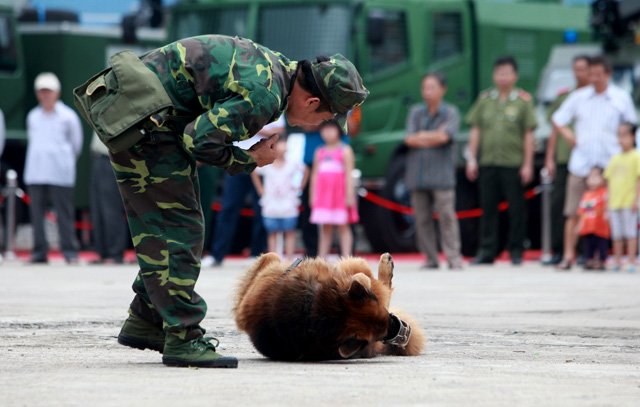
(590, 154)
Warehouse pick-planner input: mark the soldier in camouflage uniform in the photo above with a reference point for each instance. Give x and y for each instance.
(501, 155)
(227, 89)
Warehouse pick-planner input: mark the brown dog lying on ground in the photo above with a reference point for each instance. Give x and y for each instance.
(312, 310)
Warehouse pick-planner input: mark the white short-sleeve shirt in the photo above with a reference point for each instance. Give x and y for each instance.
(596, 118)
(281, 189)
(55, 141)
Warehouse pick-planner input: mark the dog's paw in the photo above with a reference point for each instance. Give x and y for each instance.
(385, 269)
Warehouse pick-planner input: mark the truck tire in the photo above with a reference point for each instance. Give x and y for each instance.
(391, 231)
(369, 221)
(467, 199)
(386, 229)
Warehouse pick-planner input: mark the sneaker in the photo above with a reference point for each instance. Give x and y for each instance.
(206, 261)
(480, 260)
(38, 260)
(72, 260)
(564, 265)
(140, 334)
(430, 266)
(199, 352)
(554, 260)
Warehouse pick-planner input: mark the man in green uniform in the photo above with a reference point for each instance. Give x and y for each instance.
(557, 158)
(500, 154)
(221, 90)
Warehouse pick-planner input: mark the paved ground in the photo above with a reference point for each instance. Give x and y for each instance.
(498, 336)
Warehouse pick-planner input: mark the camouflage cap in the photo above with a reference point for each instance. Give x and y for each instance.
(340, 85)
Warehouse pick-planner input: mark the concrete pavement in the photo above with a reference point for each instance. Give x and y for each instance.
(497, 336)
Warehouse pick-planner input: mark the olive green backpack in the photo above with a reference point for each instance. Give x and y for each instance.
(119, 99)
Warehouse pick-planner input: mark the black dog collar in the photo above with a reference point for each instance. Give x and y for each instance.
(401, 338)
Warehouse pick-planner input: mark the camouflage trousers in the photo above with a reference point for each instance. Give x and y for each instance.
(159, 186)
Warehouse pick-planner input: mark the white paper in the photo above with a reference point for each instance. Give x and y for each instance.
(246, 144)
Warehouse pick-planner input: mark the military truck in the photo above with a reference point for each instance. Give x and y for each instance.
(393, 43)
(31, 43)
(616, 34)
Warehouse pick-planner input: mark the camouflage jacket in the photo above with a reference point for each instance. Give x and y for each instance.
(228, 88)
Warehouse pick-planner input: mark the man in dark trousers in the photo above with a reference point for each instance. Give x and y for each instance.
(500, 156)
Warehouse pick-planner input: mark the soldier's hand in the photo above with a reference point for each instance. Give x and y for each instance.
(263, 152)
(550, 165)
(526, 174)
(472, 170)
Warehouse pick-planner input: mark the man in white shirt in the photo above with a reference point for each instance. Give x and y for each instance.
(55, 141)
(596, 111)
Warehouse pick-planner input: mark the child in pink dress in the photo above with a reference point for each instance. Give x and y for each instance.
(332, 194)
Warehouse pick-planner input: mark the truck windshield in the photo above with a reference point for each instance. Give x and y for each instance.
(562, 80)
(305, 31)
(8, 51)
(623, 76)
(228, 21)
(559, 80)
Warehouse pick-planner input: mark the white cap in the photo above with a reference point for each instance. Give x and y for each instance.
(47, 80)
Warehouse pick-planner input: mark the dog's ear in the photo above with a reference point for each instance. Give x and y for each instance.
(360, 288)
(350, 347)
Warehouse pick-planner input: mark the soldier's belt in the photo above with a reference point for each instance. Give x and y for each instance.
(117, 100)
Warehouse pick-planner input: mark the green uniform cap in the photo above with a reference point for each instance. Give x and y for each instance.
(340, 84)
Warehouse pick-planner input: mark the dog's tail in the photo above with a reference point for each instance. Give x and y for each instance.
(260, 263)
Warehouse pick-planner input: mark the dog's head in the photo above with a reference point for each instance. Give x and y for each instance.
(367, 321)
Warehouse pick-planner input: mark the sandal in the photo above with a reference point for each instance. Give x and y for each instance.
(564, 265)
(598, 265)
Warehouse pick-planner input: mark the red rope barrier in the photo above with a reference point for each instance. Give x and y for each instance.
(217, 206)
(387, 204)
(368, 195)
(465, 214)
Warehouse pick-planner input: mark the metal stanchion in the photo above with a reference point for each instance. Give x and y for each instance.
(356, 228)
(11, 192)
(547, 186)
